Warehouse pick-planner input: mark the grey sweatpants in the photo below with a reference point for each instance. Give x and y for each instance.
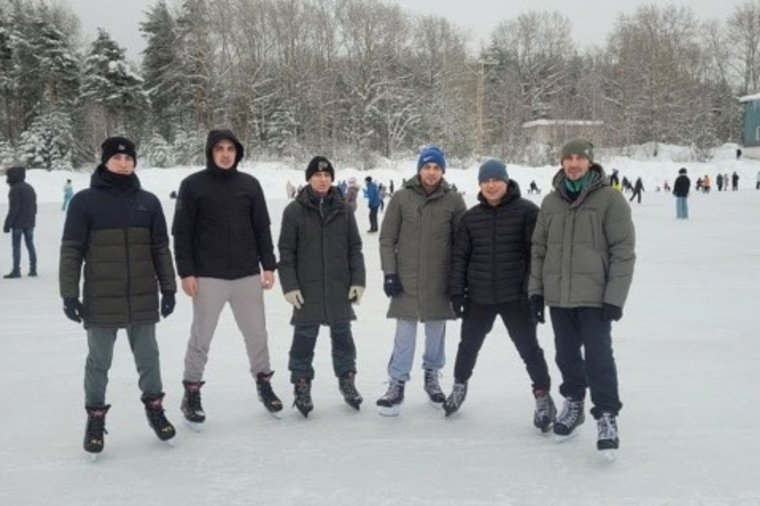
(100, 340)
(246, 298)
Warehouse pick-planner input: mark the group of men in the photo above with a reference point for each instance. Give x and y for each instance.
(440, 261)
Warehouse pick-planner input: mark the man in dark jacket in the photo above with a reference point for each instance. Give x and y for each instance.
(118, 232)
(490, 264)
(322, 273)
(22, 211)
(681, 192)
(582, 260)
(221, 237)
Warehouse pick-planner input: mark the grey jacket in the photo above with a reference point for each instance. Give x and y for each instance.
(415, 242)
(583, 250)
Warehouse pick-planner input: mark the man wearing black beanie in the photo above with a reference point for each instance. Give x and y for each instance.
(118, 231)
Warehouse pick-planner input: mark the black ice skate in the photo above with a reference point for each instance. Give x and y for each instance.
(302, 393)
(571, 417)
(390, 403)
(191, 405)
(347, 387)
(154, 410)
(455, 400)
(94, 431)
(545, 413)
(266, 394)
(607, 440)
(433, 388)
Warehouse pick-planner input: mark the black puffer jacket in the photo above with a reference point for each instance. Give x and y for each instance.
(491, 254)
(22, 201)
(321, 255)
(119, 232)
(221, 222)
(681, 186)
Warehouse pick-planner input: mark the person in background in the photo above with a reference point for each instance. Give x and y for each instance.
(415, 256)
(20, 220)
(372, 194)
(225, 255)
(681, 192)
(352, 194)
(68, 193)
(490, 264)
(734, 181)
(322, 273)
(638, 187)
(117, 232)
(582, 263)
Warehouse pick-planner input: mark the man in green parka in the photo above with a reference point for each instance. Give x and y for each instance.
(415, 252)
(582, 260)
(322, 273)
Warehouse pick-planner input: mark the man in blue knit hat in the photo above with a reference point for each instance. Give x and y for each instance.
(415, 251)
(490, 266)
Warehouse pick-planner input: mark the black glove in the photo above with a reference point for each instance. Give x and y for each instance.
(460, 305)
(537, 309)
(167, 303)
(392, 285)
(73, 309)
(611, 312)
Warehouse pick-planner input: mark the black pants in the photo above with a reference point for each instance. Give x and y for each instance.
(479, 321)
(302, 350)
(636, 193)
(373, 219)
(585, 327)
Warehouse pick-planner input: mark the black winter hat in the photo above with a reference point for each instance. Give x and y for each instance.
(115, 145)
(319, 164)
(219, 134)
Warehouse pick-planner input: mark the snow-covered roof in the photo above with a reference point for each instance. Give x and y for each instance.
(561, 122)
(750, 98)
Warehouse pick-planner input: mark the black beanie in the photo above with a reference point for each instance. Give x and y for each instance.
(115, 145)
(319, 164)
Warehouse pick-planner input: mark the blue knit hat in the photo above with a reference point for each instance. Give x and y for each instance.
(493, 169)
(431, 154)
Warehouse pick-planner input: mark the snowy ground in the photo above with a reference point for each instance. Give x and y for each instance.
(687, 355)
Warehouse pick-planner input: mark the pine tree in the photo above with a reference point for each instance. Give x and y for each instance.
(112, 89)
(157, 151)
(161, 67)
(48, 142)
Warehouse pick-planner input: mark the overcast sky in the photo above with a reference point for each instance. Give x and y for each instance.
(591, 19)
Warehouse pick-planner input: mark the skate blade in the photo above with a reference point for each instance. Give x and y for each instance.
(608, 455)
(277, 415)
(436, 405)
(93, 457)
(559, 438)
(389, 410)
(169, 442)
(194, 426)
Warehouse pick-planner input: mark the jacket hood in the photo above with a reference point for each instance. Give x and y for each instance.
(217, 135)
(15, 175)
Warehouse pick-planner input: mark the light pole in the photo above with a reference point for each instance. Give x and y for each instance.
(483, 62)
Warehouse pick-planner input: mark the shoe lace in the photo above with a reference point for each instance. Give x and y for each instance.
(571, 411)
(193, 399)
(348, 387)
(394, 389)
(431, 382)
(607, 426)
(96, 426)
(458, 393)
(543, 405)
(156, 414)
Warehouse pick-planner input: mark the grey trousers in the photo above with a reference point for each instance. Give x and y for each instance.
(246, 298)
(100, 341)
(400, 364)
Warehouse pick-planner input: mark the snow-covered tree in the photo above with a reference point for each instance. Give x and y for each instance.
(48, 142)
(157, 151)
(112, 90)
(188, 147)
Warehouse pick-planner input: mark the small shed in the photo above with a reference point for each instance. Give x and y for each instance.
(751, 125)
(554, 132)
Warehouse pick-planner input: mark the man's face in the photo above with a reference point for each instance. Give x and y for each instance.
(320, 182)
(431, 175)
(224, 154)
(121, 163)
(493, 190)
(575, 166)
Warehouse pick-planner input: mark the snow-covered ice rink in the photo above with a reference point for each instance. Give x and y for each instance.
(687, 350)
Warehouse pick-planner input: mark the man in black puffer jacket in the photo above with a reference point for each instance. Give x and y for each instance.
(490, 267)
(22, 211)
(118, 232)
(221, 237)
